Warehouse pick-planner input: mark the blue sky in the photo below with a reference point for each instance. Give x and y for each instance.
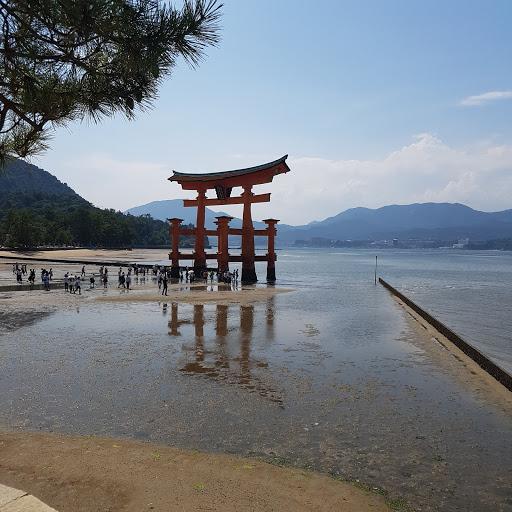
(371, 100)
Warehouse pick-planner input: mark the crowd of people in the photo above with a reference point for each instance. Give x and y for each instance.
(21, 270)
(162, 275)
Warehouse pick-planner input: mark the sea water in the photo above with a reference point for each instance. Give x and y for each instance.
(333, 375)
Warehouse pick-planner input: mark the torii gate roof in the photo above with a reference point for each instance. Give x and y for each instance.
(256, 175)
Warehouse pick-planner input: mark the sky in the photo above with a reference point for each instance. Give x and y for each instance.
(374, 102)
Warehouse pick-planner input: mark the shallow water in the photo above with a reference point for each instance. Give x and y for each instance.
(332, 376)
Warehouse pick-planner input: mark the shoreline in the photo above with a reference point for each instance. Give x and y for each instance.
(88, 473)
(335, 378)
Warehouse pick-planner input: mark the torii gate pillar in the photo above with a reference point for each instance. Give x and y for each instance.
(223, 242)
(174, 235)
(271, 253)
(248, 268)
(199, 252)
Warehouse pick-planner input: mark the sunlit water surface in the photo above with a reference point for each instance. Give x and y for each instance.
(332, 376)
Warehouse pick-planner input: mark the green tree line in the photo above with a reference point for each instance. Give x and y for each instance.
(53, 220)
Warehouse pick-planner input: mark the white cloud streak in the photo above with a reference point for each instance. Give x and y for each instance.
(425, 170)
(485, 98)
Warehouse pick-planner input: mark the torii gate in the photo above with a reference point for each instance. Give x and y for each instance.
(223, 184)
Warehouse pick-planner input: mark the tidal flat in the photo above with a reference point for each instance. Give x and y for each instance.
(333, 376)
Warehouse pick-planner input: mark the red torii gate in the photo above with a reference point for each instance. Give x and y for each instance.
(223, 184)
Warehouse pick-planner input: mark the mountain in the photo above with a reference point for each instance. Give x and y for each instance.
(427, 221)
(18, 177)
(36, 209)
(170, 208)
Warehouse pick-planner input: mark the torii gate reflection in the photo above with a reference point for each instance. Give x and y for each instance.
(222, 367)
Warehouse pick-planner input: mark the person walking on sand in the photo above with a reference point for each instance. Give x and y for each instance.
(128, 280)
(92, 282)
(83, 270)
(164, 285)
(122, 280)
(66, 281)
(105, 279)
(46, 281)
(78, 286)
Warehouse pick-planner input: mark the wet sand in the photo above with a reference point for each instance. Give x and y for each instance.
(344, 381)
(87, 255)
(86, 474)
(199, 294)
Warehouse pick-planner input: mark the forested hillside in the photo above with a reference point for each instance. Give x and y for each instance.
(37, 209)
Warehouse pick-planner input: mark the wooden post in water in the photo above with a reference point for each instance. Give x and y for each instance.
(271, 254)
(199, 253)
(174, 234)
(223, 242)
(248, 269)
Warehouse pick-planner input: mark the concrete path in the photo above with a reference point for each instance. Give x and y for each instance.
(14, 500)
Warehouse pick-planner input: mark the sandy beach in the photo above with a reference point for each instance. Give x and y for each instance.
(89, 474)
(337, 379)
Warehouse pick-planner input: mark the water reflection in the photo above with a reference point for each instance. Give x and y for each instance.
(229, 357)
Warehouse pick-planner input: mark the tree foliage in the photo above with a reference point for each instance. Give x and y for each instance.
(63, 60)
(36, 219)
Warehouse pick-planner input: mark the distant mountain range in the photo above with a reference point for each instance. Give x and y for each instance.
(425, 221)
(24, 185)
(169, 208)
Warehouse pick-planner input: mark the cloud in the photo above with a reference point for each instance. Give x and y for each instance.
(487, 97)
(426, 170)
(110, 182)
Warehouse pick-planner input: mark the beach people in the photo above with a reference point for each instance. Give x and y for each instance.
(164, 285)
(78, 287)
(50, 274)
(128, 280)
(46, 281)
(105, 278)
(122, 281)
(91, 281)
(66, 281)
(32, 276)
(83, 270)
(19, 278)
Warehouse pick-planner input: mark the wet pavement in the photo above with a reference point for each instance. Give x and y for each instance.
(333, 376)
